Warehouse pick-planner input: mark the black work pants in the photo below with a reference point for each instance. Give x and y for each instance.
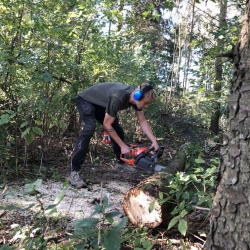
(89, 113)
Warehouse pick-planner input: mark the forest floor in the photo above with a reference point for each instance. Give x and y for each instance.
(105, 178)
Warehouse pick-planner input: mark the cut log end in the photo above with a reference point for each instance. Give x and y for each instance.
(137, 205)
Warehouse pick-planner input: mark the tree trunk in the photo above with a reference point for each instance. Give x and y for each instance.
(214, 124)
(230, 216)
(189, 49)
(139, 199)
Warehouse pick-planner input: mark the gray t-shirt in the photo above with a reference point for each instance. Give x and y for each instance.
(113, 96)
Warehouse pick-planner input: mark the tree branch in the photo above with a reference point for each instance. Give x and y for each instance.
(229, 54)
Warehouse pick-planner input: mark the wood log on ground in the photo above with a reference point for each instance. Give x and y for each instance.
(139, 199)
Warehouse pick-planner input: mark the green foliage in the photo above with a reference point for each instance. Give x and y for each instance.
(99, 231)
(31, 188)
(137, 238)
(33, 236)
(50, 51)
(6, 118)
(92, 233)
(194, 187)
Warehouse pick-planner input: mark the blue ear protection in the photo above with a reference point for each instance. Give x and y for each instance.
(139, 94)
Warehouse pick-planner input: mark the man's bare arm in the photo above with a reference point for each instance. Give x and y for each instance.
(146, 129)
(107, 125)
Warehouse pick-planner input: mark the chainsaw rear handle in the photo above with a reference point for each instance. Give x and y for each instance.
(143, 154)
(158, 153)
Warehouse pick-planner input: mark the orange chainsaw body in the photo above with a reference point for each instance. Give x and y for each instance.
(135, 151)
(143, 158)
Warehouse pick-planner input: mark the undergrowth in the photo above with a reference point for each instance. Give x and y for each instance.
(188, 190)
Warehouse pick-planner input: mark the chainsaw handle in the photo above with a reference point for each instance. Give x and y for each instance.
(143, 154)
(158, 153)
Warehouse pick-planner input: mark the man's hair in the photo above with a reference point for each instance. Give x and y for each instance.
(150, 94)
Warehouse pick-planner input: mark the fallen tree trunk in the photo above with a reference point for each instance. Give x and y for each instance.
(141, 203)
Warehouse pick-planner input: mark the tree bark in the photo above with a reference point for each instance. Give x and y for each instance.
(230, 216)
(139, 199)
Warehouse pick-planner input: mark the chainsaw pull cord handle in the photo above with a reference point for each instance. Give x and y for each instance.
(143, 154)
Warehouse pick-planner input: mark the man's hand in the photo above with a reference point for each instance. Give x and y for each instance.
(155, 146)
(125, 149)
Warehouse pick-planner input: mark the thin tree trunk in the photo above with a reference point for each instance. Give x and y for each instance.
(214, 123)
(189, 49)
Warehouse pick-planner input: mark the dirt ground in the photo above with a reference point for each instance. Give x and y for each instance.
(104, 178)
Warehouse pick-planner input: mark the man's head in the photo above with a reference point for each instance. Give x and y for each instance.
(151, 93)
(144, 95)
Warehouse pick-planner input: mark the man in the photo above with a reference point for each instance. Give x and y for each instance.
(102, 102)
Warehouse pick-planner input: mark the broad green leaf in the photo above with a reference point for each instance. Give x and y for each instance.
(112, 240)
(185, 195)
(25, 132)
(112, 214)
(85, 223)
(178, 194)
(110, 219)
(82, 245)
(37, 130)
(151, 206)
(160, 195)
(73, 14)
(182, 205)
(16, 207)
(202, 200)
(60, 196)
(175, 211)
(183, 213)
(182, 227)
(30, 137)
(4, 119)
(38, 182)
(199, 170)
(105, 201)
(145, 13)
(147, 245)
(51, 209)
(11, 112)
(121, 224)
(7, 247)
(98, 209)
(164, 200)
(201, 193)
(215, 161)
(173, 222)
(30, 188)
(23, 124)
(199, 160)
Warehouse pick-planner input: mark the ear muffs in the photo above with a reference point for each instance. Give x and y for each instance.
(139, 94)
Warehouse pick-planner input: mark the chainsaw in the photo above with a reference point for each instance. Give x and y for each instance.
(143, 158)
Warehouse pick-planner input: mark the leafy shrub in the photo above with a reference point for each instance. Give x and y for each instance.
(194, 187)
